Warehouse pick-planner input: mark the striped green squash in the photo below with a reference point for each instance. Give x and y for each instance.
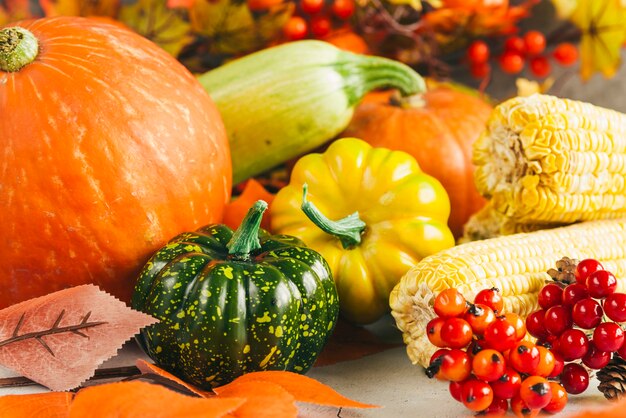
(235, 302)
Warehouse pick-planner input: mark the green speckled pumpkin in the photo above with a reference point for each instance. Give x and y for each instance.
(235, 302)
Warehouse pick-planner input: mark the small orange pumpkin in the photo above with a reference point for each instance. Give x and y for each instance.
(110, 147)
(438, 128)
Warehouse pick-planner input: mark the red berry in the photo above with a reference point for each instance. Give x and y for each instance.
(490, 297)
(565, 53)
(479, 316)
(507, 385)
(452, 365)
(515, 44)
(449, 303)
(615, 307)
(559, 363)
(573, 344)
(295, 28)
(478, 52)
(558, 319)
(559, 399)
(622, 350)
(540, 66)
(596, 359)
(511, 62)
(343, 9)
(520, 409)
(574, 378)
(587, 313)
(574, 292)
(584, 268)
(546, 362)
(534, 324)
(456, 333)
(535, 391)
(550, 295)
(488, 365)
(601, 284)
(524, 357)
(518, 323)
(312, 6)
(433, 332)
(608, 336)
(480, 69)
(497, 408)
(476, 395)
(455, 390)
(320, 26)
(535, 42)
(500, 335)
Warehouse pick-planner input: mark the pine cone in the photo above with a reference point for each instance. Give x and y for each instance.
(564, 271)
(613, 378)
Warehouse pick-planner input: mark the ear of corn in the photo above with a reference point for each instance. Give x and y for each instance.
(543, 159)
(515, 264)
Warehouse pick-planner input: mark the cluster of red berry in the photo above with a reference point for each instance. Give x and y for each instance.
(485, 358)
(518, 50)
(314, 18)
(571, 322)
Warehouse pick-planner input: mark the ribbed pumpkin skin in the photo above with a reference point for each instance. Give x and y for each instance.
(439, 134)
(109, 148)
(221, 317)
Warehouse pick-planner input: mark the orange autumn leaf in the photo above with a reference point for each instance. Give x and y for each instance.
(263, 399)
(612, 410)
(238, 207)
(140, 399)
(302, 388)
(149, 368)
(40, 405)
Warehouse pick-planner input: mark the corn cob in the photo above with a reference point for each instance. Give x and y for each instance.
(490, 223)
(543, 159)
(516, 264)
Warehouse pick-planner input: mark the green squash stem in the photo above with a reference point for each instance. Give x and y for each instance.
(348, 230)
(18, 48)
(246, 237)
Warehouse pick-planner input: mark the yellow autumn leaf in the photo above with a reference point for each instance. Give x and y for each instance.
(603, 27)
(564, 8)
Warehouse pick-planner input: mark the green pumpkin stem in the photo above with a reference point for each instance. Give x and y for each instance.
(246, 237)
(18, 48)
(348, 230)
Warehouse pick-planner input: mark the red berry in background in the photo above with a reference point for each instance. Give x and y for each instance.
(312, 6)
(488, 365)
(596, 359)
(584, 268)
(500, 335)
(565, 53)
(320, 26)
(515, 44)
(343, 9)
(479, 316)
(477, 52)
(534, 324)
(574, 292)
(535, 391)
(550, 295)
(608, 336)
(573, 344)
(559, 399)
(490, 297)
(497, 408)
(534, 42)
(524, 357)
(587, 313)
(574, 378)
(433, 332)
(507, 386)
(615, 307)
(511, 62)
(480, 69)
(476, 395)
(540, 66)
(449, 303)
(557, 320)
(295, 28)
(601, 284)
(456, 332)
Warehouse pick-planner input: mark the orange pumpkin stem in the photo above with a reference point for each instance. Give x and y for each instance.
(18, 48)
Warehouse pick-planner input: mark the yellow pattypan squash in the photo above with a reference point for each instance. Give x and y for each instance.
(375, 215)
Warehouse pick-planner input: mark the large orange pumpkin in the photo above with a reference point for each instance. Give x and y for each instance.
(438, 128)
(110, 147)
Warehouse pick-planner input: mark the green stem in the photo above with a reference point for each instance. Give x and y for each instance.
(348, 229)
(18, 48)
(246, 237)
